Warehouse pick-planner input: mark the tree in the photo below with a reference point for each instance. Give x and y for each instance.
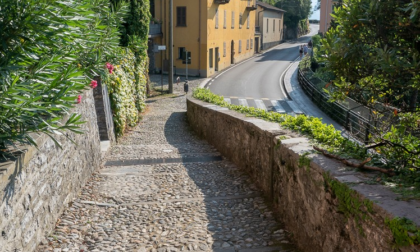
(374, 53)
(296, 10)
(135, 29)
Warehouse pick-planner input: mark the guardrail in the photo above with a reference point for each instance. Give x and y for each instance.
(358, 126)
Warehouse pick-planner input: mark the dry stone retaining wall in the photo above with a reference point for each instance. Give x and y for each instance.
(36, 188)
(274, 157)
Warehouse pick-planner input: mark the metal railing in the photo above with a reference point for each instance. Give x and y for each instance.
(350, 117)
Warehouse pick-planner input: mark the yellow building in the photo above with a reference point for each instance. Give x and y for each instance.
(216, 33)
(269, 21)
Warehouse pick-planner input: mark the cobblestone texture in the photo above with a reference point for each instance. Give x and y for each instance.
(196, 206)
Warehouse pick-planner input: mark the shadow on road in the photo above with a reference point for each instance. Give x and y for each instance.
(237, 217)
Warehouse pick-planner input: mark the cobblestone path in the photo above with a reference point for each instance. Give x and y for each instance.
(162, 189)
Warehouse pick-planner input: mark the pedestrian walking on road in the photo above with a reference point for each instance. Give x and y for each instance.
(300, 52)
(305, 49)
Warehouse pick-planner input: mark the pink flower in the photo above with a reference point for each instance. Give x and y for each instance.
(79, 99)
(94, 84)
(110, 67)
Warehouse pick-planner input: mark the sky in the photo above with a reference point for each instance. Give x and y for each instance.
(316, 15)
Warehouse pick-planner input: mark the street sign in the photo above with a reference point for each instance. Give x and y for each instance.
(161, 47)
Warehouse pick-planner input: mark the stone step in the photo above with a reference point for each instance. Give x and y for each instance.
(144, 151)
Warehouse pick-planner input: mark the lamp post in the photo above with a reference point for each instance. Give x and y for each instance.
(171, 48)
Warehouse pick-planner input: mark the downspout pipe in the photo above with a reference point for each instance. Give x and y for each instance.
(199, 38)
(261, 30)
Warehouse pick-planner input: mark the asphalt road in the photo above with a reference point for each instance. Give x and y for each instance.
(259, 77)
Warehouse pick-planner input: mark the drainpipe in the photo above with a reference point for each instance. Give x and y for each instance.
(165, 25)
(199, 38)
(261, 30)
(162, 22)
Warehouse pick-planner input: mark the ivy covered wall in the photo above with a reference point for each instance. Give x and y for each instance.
(127, 78)
(127, 90)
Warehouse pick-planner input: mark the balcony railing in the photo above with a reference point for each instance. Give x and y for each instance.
(221, 1)
(155, 30)
(252, 5)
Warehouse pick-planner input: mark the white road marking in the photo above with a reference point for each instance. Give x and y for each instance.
(278, 107)
(243, 102)
(260, 104)
(294, 107)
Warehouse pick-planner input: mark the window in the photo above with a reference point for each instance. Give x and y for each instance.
(181, 52)
(240, 46)
(224, 20)
(240, 20)
(247, 44)
(181, 16)
(233, 19)
(279, 25)
(267, 25)
(247, 22)
(211, 58)
(224, 49)
(252, 41)
(274, 25)
(217, 18)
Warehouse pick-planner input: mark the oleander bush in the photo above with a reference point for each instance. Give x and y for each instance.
(49, 53)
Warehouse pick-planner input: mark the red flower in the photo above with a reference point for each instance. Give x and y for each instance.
(94, 84)
(79, 99)
(110, 67)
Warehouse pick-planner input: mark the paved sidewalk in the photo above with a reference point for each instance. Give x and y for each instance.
(297, 94)
(162, 189)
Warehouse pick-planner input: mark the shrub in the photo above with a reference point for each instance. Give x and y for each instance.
(127, 90)
(49, 53)
(316, 41)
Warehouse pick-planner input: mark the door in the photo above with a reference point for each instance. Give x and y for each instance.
(232, 52)
(256, 45)
(216, 59)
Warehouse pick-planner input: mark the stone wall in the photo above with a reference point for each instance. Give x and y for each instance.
(299, 190)
(37, 187)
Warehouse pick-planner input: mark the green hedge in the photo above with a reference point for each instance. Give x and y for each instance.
(324, 134)
(127, 89)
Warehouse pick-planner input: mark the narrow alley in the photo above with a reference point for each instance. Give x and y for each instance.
(162, 189)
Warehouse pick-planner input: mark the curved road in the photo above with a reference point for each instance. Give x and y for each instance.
(259, 76)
